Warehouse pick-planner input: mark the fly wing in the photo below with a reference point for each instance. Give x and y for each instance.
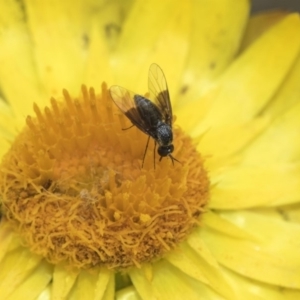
(124, 99)
(159, 92)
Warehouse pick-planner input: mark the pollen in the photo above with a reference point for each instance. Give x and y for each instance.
(73, 188)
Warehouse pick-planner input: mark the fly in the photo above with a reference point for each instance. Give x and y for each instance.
(152, 117)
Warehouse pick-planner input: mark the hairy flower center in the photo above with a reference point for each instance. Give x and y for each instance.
(73, 187)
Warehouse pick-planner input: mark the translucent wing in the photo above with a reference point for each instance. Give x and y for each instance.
(159, 92)
(124, 99)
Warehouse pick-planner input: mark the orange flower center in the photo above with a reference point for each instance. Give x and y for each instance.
(73, 187)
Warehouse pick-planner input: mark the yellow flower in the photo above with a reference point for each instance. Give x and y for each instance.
(234, 85)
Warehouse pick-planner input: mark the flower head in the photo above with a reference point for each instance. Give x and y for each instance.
(73, 187)
(82, 219)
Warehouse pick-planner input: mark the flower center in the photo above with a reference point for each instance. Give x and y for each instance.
(73, 187)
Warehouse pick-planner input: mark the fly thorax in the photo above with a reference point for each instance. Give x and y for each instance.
(164, 134)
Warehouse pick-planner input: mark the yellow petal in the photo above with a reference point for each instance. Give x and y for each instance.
(249, 186)
(85, 284)
(219, 143)
(172, 47)
(105, 285)
(7, 120)
(217, 30)
(185, 259)
(288, 94)
(5, 239)
(11, 123)
(110, 289)
(258, 24)
(59, 42)
(128, 293)
(10, 276)
(280, 143)
(102, 39)
(188, 261)
(214, 221)
(165, 278)
(63, 281)
(34, 283)
(45, 294)
(161, 38)
(141, 279)
(190, 115)
(246, 87)
(290, 294)
(273, 260)
(292, 212)
(79, 284)
(10, 241)
(250, 289)
(17, 73)
(97, 65)
(201, 249)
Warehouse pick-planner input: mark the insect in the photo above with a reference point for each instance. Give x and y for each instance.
(153, 118)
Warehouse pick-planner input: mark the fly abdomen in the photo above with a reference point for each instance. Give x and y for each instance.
(148, 110)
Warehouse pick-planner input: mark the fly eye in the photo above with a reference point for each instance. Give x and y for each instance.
(165, 150)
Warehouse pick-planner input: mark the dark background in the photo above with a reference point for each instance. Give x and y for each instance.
(259, 5)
